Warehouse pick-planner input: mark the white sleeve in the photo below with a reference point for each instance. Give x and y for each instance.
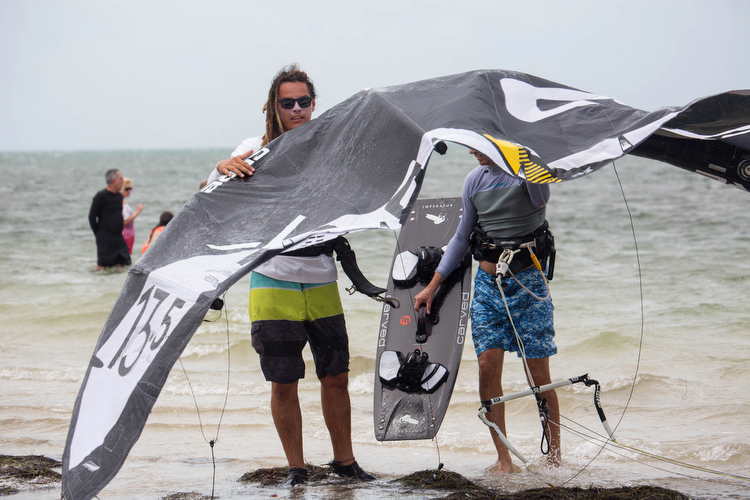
(253, 143)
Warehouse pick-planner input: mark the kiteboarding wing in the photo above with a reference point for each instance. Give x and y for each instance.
(546, 132)
(314, 183)
(358, 166)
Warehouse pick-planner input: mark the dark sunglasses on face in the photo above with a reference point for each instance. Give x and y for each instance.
(128, 189)
(288, 102)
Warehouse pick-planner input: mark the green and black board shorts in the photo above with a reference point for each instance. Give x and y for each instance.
(285, 316)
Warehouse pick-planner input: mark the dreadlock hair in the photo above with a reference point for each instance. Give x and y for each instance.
(291, 73)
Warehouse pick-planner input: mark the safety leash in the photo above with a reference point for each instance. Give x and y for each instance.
(217, 304)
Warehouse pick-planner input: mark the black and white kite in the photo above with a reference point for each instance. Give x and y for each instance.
(359, 166)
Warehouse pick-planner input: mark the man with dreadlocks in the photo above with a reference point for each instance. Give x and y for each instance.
(294, 300)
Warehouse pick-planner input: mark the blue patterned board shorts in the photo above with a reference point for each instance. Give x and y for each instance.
(490, 327)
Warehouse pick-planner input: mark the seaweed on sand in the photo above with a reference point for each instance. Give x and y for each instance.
(591, 493)
(277, 475)
(189, 495)
(33, 470)
(438, 480)
(461, 488)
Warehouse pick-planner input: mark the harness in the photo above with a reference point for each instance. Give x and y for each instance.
(540, 245)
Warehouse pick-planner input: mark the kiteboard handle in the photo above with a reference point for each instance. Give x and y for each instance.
(424, 325)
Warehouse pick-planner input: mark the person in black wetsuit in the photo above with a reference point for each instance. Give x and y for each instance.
(105, 218)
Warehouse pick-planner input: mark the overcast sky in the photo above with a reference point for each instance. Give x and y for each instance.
(150, 74)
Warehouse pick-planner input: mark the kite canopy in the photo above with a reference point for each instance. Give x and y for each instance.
(359, 166)
(546, 132)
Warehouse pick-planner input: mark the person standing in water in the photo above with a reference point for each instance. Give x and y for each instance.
(105, 219)
(499, 207)
(294, 300)
(164, 219)
(128, 214)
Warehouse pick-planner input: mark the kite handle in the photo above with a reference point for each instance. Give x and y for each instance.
(488, 403)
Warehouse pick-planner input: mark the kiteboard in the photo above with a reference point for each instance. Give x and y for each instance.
(418, 355)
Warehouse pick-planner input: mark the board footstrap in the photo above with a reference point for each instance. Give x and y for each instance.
(411, 373)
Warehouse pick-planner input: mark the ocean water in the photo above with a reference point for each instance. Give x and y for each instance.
(664, 330)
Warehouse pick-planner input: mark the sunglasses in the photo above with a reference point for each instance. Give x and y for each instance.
(288, 102)
(128, 189)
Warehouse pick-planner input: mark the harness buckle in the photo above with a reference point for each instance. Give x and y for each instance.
(502, 268)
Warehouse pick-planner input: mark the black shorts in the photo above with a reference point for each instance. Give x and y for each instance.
(286, 316)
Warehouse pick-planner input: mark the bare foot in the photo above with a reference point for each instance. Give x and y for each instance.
(500, 468)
